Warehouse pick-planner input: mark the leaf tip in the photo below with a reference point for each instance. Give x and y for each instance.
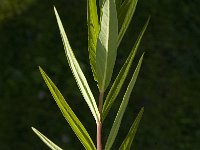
(149, 18)
(142, 109)
(143, 54)
(54, 9)
(41, 70)
(34, 129)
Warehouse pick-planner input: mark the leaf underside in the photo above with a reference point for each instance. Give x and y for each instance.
(77, 72)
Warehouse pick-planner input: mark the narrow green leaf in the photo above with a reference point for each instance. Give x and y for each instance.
(119, 81)
(125, 15)
(118, 4)
(106, 44)
(77, 72)
(93, 31)
(49, 143)
(121, 13)
(126, 145)
(68, 113)
(120, 113)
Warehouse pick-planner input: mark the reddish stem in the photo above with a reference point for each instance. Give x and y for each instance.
(99, 124)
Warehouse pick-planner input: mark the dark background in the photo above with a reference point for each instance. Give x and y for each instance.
(168, 85)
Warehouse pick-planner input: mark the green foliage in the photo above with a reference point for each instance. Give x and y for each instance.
(119, 81)
(118, 4)
(93, 31)
(126, 145)
(169, 76)
(69, 115)
(77, 72)
(49, 143)
(125, 14)
(106, 44)
(104, 49)
(122, 108)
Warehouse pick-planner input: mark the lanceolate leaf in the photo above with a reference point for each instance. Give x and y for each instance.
(125, 15)
(106, 44)
(93, 31)
(69, 115)
(126, 145)
(120, 113)
(49, 143)
(77, 72)
(119, 81)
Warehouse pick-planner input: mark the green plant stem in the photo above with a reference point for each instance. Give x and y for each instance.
(99, 124)
(101, 94)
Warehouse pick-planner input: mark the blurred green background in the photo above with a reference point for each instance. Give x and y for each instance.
(168, 85)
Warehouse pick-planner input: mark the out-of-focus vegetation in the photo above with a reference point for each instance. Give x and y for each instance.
(168, 85)
(10, 8)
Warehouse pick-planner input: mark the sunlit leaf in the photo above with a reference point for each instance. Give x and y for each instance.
(69, 115)
(106, 44)
(126, 145)
(125, 15)
(119, 81)
(77, 72)
(49, 143)
(93, 31)
(124, 103)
